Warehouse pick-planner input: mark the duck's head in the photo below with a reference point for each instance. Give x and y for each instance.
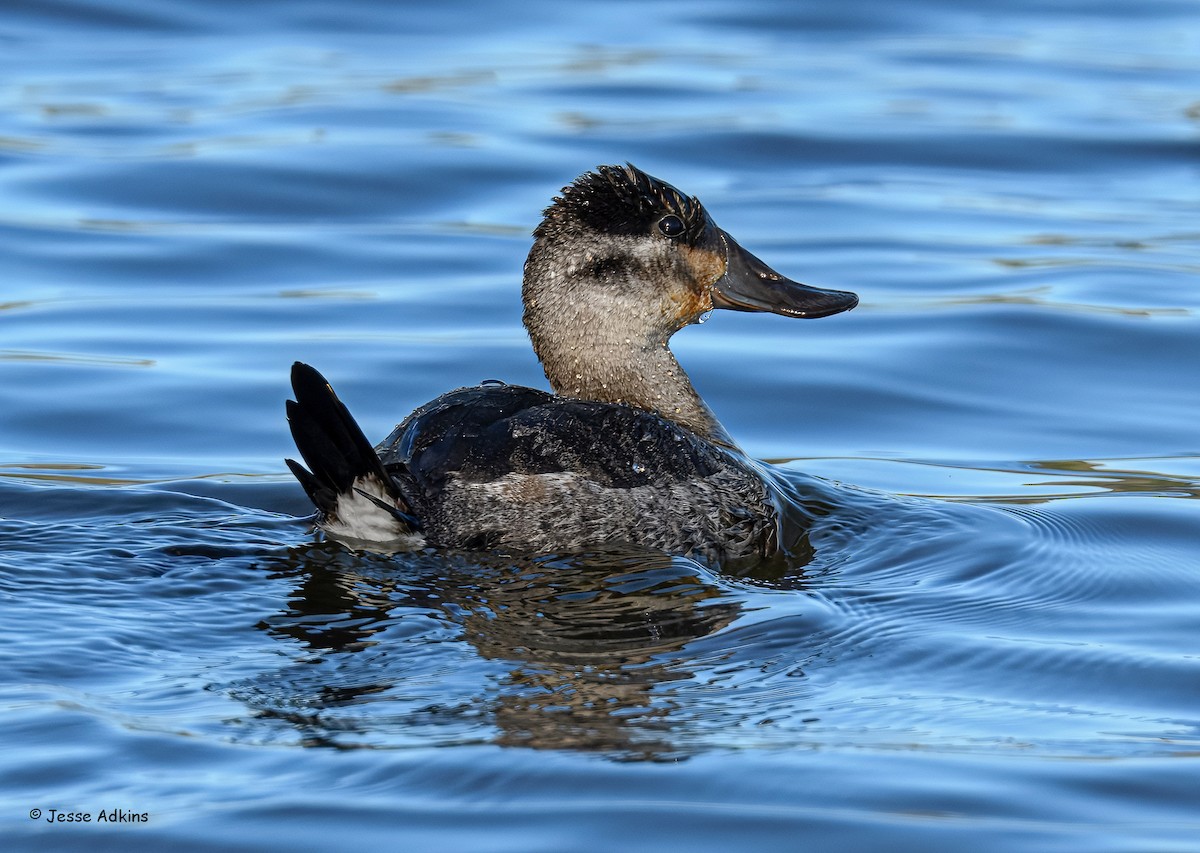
(621, 248)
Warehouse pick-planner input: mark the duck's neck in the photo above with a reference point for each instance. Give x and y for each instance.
(589, 355)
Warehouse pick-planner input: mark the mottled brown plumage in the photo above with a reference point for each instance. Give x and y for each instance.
(624, 452)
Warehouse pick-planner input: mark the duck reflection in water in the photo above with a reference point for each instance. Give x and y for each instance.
(571, 652)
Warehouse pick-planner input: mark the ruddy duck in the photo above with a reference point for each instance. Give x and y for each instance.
(624, 452)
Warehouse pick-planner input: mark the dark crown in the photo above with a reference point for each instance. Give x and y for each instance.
(624, 200)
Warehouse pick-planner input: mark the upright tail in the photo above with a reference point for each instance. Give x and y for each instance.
(354, 494)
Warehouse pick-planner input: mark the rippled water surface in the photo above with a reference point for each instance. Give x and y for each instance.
(992, 642)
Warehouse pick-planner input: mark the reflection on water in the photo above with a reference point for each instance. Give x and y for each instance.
(583, 646)
(1042, 298)
(1037, 481)
(985, 636)
(68, 358)
(643, 657)
(1103, 475)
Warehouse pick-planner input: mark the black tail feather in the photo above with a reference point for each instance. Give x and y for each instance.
(331, 443)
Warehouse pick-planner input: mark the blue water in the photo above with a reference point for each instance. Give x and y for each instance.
(993, 643)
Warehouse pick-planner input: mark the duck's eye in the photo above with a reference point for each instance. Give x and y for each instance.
(671, 225)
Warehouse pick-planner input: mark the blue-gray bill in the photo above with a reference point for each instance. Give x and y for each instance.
(750, 285)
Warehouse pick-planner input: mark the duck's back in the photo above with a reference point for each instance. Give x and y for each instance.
(502, 466)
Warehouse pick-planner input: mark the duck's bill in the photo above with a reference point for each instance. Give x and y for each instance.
(751, 285)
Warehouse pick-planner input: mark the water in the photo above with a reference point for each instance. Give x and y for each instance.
(992, 641)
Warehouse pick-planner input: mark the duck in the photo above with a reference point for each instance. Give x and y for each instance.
(622, 452)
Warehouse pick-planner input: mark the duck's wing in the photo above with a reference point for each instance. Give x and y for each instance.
(511, 467)
(484, 433)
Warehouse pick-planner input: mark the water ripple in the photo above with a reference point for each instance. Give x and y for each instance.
(986, 642)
